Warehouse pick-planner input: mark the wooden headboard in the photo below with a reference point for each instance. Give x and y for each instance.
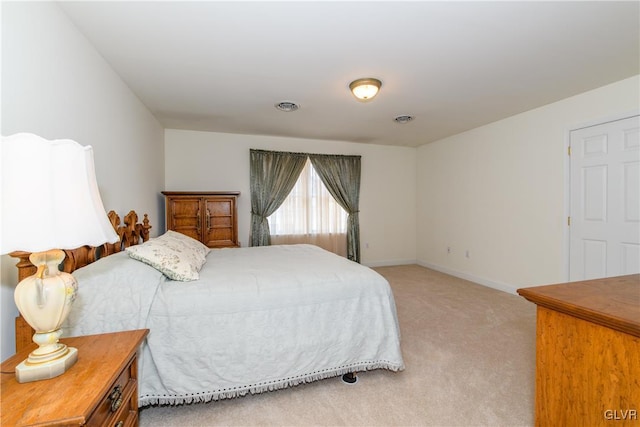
(130, 234)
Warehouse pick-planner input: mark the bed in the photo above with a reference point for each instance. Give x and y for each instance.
(254, 320)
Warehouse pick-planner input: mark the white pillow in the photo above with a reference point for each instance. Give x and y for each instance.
(177, 256)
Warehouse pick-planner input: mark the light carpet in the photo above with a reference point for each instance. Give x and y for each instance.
(469, 353)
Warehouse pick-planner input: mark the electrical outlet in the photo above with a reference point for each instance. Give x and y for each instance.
(466, 254)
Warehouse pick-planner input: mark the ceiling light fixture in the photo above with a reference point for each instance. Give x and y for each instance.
(403, 119)
(365, 89)
(287, 106)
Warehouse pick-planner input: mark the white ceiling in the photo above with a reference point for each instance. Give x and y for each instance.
(221, 66)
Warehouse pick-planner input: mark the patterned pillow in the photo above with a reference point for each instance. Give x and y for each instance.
(177, 256)
(199, 249)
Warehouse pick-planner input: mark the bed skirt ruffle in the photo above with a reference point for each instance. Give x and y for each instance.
(149, 400)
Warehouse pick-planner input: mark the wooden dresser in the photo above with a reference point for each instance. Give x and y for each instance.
(210, 217)
(101, 389)
(588, 352)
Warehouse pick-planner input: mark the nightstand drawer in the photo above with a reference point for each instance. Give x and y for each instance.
(127, 414)
(118, 399)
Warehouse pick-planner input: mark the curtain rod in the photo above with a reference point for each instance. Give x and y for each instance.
(304, 154)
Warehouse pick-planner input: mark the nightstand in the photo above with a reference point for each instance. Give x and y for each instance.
(100, 389)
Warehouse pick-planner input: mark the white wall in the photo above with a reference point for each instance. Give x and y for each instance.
(498, 191)
(56, 85)
(207, 161)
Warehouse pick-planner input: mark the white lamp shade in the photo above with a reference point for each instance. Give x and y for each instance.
(50, 197)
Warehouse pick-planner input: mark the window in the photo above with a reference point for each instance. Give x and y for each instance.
(310, 214)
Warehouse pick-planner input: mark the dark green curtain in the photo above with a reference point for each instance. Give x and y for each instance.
(272, 177)
(341, 176)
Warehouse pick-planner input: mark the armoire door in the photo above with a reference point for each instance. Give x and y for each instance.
(185, 216)
(220, 228)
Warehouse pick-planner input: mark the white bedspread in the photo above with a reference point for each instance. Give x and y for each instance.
(258, 319)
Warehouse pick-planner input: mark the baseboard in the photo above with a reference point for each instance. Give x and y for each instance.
(390, 263)
(479, 280)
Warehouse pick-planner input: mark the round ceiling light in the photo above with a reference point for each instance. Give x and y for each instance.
(403, 119)
(365, 89)
(287, 106)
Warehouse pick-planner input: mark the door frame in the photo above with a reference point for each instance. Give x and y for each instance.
(566, 237)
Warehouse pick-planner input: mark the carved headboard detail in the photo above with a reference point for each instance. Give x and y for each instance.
(130, 234)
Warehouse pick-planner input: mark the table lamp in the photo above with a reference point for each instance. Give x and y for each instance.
(50, 201)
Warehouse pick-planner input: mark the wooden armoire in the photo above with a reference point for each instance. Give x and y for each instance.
(210, 217)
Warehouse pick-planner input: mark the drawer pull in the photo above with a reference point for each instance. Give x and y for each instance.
(116, 398)
(119, 423)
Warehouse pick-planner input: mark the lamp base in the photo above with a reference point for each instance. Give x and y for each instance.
(27, 372)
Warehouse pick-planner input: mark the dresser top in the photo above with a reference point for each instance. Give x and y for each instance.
(73, 396)
(613, 302)
(201, 193)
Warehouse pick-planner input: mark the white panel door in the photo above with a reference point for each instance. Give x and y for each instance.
(605, 200)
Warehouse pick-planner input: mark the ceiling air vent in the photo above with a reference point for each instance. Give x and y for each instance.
(403, 119)
(287, 106)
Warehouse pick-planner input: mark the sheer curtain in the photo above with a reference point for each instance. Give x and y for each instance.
(310, 214)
